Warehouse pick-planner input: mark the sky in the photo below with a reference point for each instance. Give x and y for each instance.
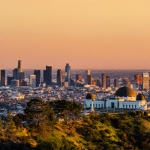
(87, 34)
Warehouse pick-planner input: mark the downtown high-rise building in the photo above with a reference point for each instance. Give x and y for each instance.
(32, 81)
(87, 73)
(18, 73)
(15, 72)
(2, 77)
(20, 66)
(107, 81)
(89, 79)
(145, 77)
(37, 73)
(47, 74)
(67, 74)
(59, 77)
(104, 80)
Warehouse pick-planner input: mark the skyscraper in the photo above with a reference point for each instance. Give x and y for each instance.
(21, 76)
(107, 81)
(104, 80)
(67, 73)
(89, 79)
(15, 71)
(20, 66)
(19, 69)
(37, 73)
(18, 73)
(47, 74)
(2, 77)
(59, 77)
(87, 72)
(32, 82)
(145, 81)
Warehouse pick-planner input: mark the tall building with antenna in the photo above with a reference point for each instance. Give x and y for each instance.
(67, 74)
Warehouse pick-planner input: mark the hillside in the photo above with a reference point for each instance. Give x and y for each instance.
(105, 131)
(129, 131)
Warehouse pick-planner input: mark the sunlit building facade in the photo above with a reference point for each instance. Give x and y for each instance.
(145, 84)
(32, 81)
(67, 74)
(124, 98)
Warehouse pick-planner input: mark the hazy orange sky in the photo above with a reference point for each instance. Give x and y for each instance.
(88, 34)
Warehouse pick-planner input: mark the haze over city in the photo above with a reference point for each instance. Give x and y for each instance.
(87, 34)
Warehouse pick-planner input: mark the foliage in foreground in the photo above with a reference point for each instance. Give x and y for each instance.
(129, 131)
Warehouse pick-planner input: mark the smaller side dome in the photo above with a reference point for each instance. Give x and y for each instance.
(90, 96)
(140, 97)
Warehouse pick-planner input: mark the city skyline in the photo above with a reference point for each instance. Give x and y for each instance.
(35, 80)
(86, 34)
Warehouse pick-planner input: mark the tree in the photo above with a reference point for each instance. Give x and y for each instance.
(10, 125)
(38, 110)
(66, 109)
